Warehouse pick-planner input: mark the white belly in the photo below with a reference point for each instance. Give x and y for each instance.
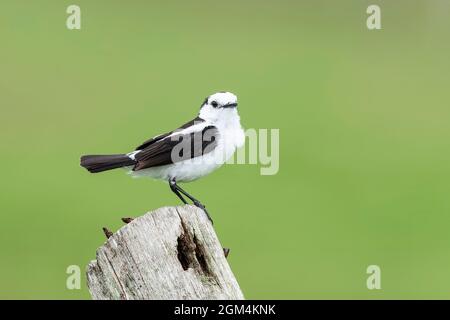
(184, 171)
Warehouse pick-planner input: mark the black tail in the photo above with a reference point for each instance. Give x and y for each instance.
(99, 163)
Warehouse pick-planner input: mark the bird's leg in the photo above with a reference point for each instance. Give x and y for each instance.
(173, 187)
(177, 189)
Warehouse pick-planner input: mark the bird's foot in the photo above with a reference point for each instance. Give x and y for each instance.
(226, 252)
(201, 206)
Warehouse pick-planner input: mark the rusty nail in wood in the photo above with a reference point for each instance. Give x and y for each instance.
(107, 232)
(127, 220)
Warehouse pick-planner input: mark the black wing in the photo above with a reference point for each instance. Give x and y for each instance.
(162, 136)
(176, 148)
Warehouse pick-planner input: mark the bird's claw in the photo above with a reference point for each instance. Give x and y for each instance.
(199, 205)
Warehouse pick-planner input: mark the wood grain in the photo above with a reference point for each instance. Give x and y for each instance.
(170, 253)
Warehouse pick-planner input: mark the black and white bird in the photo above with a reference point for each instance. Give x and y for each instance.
(190, 152)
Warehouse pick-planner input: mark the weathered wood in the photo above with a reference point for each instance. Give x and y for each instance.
(170, 253)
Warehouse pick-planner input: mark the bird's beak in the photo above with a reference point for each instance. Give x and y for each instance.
(230, 105)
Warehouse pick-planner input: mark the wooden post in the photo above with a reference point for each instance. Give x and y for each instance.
(170, 253)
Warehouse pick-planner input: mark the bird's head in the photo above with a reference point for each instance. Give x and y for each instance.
(220, 105)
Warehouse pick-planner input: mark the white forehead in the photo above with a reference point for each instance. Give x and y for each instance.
(223, 97)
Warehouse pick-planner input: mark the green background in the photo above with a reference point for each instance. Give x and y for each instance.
(364, 138)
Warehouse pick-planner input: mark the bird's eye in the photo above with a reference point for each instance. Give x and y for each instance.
(214, 104)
